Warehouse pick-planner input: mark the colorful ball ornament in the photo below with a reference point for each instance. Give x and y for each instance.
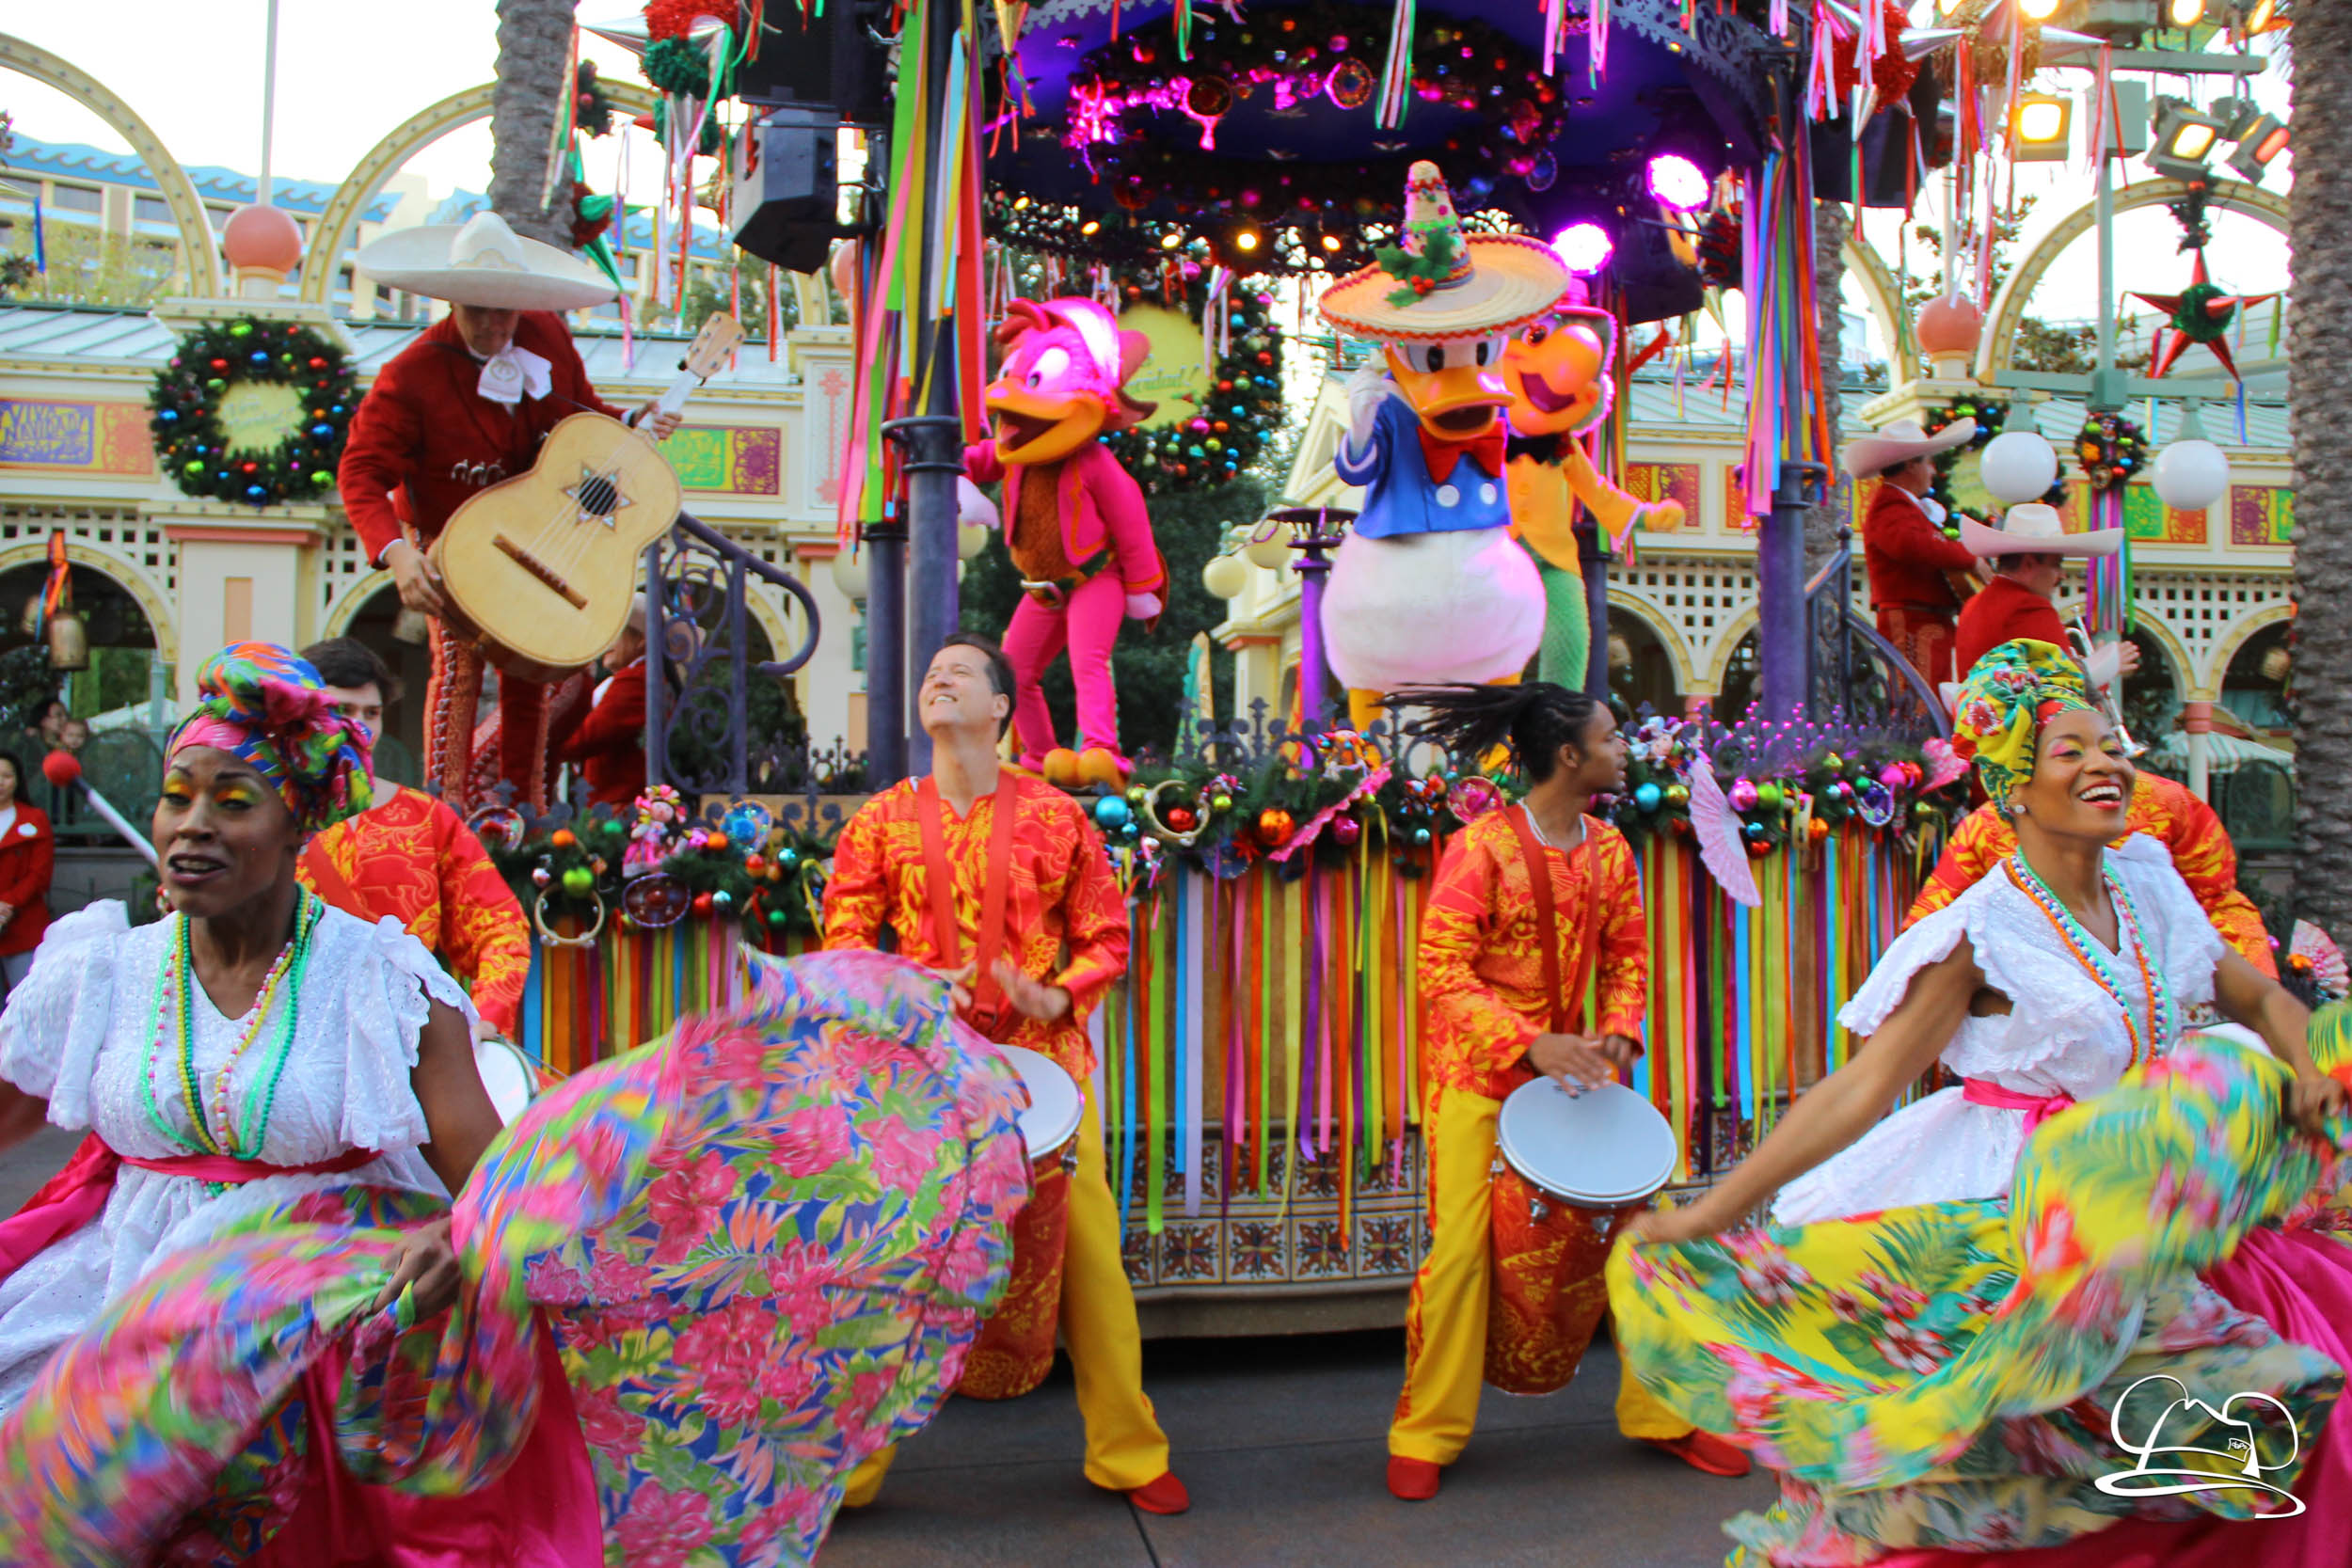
(1275, 826)
(1345, 831)
(1768, 796)
(578, 881)
(563, 838)
(1111, 812)
(1647, 795)
(1743, 794)
(1678, 795)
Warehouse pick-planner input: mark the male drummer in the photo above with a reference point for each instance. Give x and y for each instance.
(927, 848)
(1500, 1010)
(465, 406)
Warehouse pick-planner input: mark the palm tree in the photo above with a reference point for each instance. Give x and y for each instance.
(2320, 396)
(534, 46)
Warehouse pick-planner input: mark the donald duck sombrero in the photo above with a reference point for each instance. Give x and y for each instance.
(1439, 283)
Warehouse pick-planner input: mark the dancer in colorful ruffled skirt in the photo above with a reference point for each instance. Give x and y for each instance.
(2087, 1305)
(666, 1313)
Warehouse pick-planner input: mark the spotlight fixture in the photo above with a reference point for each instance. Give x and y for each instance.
(2261, 17)
(2045, 123)
(2236, 115)
(2258, 146)
(2038, 11)
(2185, 140)
(1677, 181)
(1170, 240)
(1585, 247)
(1246, 240)
(2185, 13)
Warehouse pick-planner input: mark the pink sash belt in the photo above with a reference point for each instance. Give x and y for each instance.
(75, 1195)
(2038, 1108)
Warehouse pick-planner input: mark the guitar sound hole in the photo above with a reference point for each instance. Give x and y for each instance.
(599, 496)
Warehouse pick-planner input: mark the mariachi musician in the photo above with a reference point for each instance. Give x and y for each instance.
(465, 406)
(1910, 562)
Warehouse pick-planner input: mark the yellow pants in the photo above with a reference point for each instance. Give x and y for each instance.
(1125, 1447)
(1445, 1337)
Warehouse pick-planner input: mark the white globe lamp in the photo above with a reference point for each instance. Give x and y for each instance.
(2017, 466)
(2192, 474)
(1271, 553)
(1225, 577)
(850, 576)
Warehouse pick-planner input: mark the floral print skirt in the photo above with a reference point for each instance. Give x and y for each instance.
(1955, 1375)
(762, 1246)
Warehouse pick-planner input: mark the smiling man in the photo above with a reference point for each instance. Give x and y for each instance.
(932, 859)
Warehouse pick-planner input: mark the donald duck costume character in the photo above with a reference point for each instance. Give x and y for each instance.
(1430, 586)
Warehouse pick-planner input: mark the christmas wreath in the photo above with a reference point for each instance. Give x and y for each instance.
(1303, 217)
(1242, 404)
(253, 411)
(2111, 448)
(1990, 416)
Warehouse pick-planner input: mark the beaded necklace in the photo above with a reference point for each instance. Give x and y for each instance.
(175, 989)
(2089, 953)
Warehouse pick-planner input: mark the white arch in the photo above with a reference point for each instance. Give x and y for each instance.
(122, 574)
(2226, 646)
(1678, 651)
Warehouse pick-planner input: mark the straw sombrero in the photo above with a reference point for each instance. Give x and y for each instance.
(1440, 283)
(483, 262)
(2033, 528)
(1900, 442)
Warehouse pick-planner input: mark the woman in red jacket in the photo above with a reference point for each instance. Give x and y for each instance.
(28, 853)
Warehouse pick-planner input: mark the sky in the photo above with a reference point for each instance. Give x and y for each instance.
(348, 73)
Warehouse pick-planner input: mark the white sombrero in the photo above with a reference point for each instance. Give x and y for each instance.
(2033, 528)
(483, 262)
(1900, 442)
(1495, 282)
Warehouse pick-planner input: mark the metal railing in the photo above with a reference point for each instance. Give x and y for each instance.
(1855, 672)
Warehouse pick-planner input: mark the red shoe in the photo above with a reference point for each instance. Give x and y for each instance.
(1704, 1450)
(1166, 1495)
(1413, 1480)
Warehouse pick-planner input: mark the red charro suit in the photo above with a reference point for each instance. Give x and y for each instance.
(1906, 557)
(424, 442)
(607, 739)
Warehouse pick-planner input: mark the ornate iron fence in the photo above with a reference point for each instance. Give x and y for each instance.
(1853, 673)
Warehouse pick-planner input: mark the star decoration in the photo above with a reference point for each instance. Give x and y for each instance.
(597, 496)
(2200, 313)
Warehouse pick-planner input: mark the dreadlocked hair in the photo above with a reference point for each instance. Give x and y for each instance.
(1535, 717)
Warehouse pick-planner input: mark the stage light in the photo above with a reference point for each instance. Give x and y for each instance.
(2038, 11)
(2185, 13)
(1331, 242)
(1170, 240)
(2045, 123)
(1246, 241)
(2261, 17)
(2261, 142)
(2236, 116)
(1675, 180)
(1585, 247)
(2185, 138)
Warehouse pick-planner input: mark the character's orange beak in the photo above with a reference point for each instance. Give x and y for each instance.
(1457, 404)
(1554, 383)
(1032, 428)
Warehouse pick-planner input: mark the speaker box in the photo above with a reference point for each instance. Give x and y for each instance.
(1660, 284)
(787, 188)
(828, 60)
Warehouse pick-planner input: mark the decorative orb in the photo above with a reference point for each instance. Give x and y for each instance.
(561, 838)
(1135, 795)
(1832, 762)
(2191, 475)
(787, 857)
(2018, 465)
(1743, 794)
(1892, 775)
(266, 239)
(720, 898)
(715, 842)
(1923, 810)
(578, 879)
(1345, 831)
(1110, 811)
(1948, 326)
(1421, 835)
(755, 865)
(702, 906)
(1818, 829)
(1274, 825)
(541, 876)
(1768, 796)
(1837, 790)
(1221, 802)
(777, 917)
(1758, 848)
(1678, 795)
(1647, 795)
(1225, 577)
(1753, 830)
(1182, 819)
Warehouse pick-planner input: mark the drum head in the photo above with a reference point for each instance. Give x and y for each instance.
(508, 1074)
(1055, 1106)
(1606, 1148)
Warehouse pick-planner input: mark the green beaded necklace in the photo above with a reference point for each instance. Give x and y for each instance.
(175, 987)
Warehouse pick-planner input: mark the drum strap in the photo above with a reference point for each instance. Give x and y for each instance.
(1566, 1005)
(995, 891)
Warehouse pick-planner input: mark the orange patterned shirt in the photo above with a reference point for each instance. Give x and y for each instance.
(412, 858)
(1482, 974)
(2165, 811)
(1065, 921)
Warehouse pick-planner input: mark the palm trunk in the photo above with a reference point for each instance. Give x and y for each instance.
(1830, 225)
(2320, 396)
(534, 46)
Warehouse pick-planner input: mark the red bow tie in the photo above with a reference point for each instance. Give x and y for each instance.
(1441, 455)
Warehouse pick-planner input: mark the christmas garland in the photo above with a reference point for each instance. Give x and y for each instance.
(1990, 416)
(213, 365)
(2111, 450)
(1244, 406)
(1307, 217)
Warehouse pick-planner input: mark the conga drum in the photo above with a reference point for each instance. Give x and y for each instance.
(512, 1078)
(1568, 1173)
(1016, 1348)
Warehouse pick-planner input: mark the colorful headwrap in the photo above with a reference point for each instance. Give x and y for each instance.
(2010, 694)
(266, 706)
